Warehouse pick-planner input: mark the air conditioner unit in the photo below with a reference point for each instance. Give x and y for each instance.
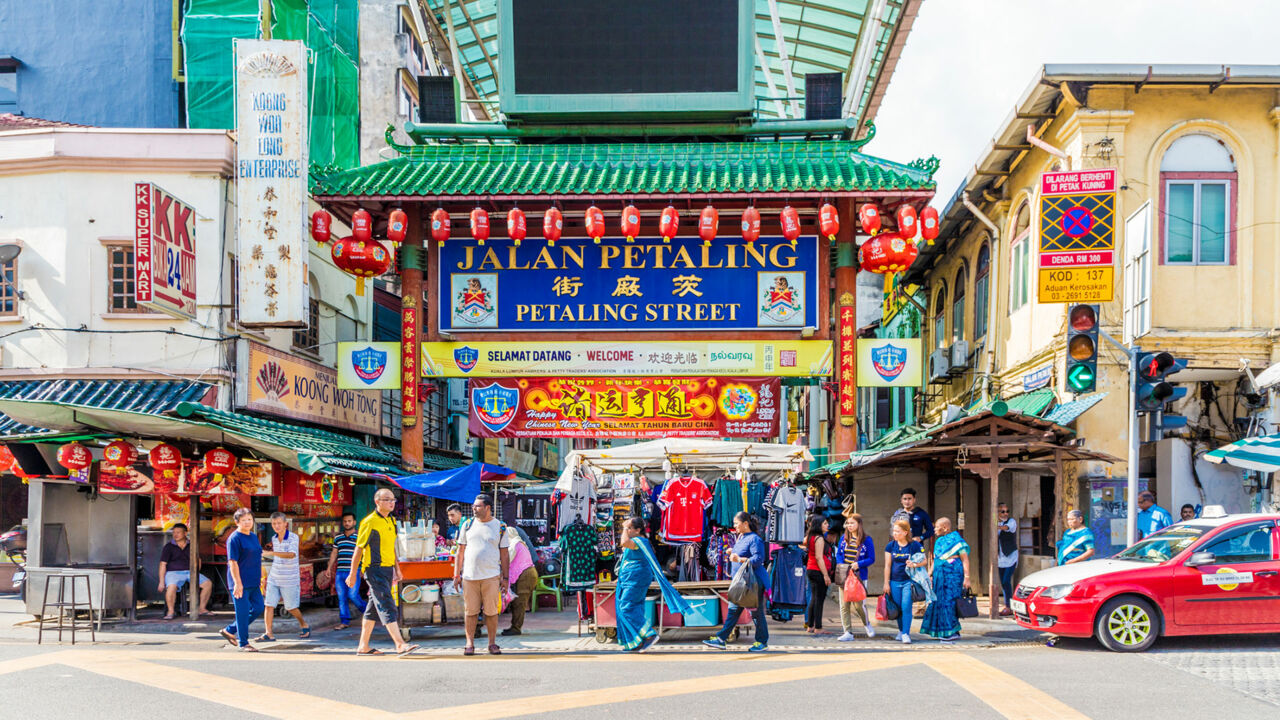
(939, 366)
(959, 357)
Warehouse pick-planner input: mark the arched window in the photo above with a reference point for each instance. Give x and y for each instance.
(940, 337)
(957, 305)
(1198, 191)
(981, 291)
(1020, 259)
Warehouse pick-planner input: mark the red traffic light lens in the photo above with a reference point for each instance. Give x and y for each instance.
(1083, 318)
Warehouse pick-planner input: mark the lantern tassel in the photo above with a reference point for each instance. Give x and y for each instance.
(360, 285)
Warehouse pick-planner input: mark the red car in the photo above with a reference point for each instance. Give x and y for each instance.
(1207, 576)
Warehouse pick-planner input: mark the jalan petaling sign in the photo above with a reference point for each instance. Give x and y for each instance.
(648, 284)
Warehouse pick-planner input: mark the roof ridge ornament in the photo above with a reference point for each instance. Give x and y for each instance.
(871, 135)
(389, 136)
(927, 165)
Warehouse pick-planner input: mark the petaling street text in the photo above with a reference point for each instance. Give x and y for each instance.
(628, 312)
(629, 257)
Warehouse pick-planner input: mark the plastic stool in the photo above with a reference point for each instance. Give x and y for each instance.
(544, 588)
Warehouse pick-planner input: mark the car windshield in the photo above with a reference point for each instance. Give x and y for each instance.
(1164, 544)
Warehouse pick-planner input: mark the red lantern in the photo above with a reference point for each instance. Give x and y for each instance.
(869, 217)
(479, 225)
(362, 258)
(119, 456)
(440, 225)
(552, 225)
(594, 220)
(790, 220)
(829, 221)
(397, 225)
(907, 221)
(750, 224)
(75, 457)
(362, 225)
(929, 224)
(9, 463)
(887, 253)
(517, 227)
(669, 223)
(166, 461)
(219, 461)
(630, 222)
(708, 224)
(321, 224)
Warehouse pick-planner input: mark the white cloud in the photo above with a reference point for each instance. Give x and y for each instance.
(967, 62)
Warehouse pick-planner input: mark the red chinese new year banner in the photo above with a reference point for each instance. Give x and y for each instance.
(625, 407)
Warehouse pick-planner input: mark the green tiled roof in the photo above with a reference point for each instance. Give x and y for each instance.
(1027, 403)
(1068, 412)
(625, 169)
(153, 396)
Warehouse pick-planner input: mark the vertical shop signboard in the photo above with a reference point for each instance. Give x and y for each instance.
(164, 252)
(847, 329)
(271, 182)
(409, 349)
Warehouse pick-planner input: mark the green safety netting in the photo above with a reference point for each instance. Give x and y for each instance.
(209, 28)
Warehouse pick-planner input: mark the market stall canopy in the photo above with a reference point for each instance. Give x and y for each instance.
(689, 452)
(146, 396)
(1260, 453)
(457, 484)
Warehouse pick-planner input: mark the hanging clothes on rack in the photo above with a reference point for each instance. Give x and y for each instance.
(726, 501)
(789, 502)
(719, 546)
(575, 500)
(755, 498)
(579, 553)
(770, 515)
(690, 562)
(683, 502)
(786, 577)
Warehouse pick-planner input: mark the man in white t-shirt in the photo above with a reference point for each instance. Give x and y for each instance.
(283, 582)
(1007, 557)
(481, 569)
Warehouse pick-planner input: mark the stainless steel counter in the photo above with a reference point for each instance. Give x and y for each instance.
(110, 586)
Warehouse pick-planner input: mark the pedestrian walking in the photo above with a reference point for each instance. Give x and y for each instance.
(638, 568)
(344, 548)
(244, 576)
(1007, 555)
(817, 572)
(748, 548)
(855, 553)
(916, 516)
(375, 555)
(522, 579)
(481, 569)
(950, 580)
(284, 583)
(897, 579)
(1077, 544)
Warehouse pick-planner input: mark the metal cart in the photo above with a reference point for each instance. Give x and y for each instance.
(603, 599)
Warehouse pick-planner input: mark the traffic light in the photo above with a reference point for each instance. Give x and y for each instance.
(1082, 348)
(1153, 390)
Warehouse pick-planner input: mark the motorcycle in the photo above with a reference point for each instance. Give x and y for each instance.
(13, 545)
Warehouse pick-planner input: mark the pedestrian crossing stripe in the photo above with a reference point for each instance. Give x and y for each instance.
(1100, 235)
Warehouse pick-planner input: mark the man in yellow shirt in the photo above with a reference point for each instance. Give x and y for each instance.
(376, 556)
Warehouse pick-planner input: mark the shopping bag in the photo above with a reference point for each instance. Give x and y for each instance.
(967, 605)
(745, 588)
(886, 608)
(853, 589)
(917, 593)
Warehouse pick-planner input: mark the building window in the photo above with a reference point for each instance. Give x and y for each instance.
(1020, 268)
(408, 107)
(884, 410)
(1198, 186)
(940, 336)
(9, 288)
(120, 279)
(957, 306)
(308, 338)
(981, 291)
(391, 414)
(1137, 274)
(8, 87)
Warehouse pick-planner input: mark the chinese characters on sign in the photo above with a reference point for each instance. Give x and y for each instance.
(780, 358)
(625, 407)
(409, 349)
(283, 385)
(164, 252)
(271, 177)
(846, 339)
(1077, 236)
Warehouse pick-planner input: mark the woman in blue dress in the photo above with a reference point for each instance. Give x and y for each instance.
(950, 580)
(637, 569)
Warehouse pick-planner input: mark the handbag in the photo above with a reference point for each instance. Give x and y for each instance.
(886, 608)
(853, 589)
(744, 591)
(842, 572)
(917, 593)
(967, 605)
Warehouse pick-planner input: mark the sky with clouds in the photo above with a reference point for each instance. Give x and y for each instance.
(967, 62)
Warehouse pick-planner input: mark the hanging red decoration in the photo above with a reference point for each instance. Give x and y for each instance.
(397, 225)
(869, 218)
(887, 253)
(708, 224)
(362, 225)
(929, 224)
(479, 225)
(552, 225)
(9, 463)
(593, 219)
(790, 220)
(166, 461)
(829, 221)
(751, 224)
(906, 216)
(75, 457)
(517, 226)
(669, 223)
(118, 456)
(219, 461)
(321, 226)
(630, 222)
(362, 258)
(440, 225)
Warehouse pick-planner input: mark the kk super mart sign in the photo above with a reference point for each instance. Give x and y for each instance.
(701, 407)
(164, 252)
(1077, 236)
(782, 358)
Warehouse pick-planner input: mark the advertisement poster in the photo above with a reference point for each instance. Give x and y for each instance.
(647, 284)
(890, 362)
(317, 489)
(625, 408)
(369, 366)
(281, 384)
(164, 252)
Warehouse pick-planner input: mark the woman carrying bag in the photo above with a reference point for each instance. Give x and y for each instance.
(749, 551)
(897, 580)
(950, 580)
(855, 553)
(817, 572)
(637, 569)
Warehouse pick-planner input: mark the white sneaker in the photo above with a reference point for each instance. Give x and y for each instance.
(897, 636)
(906, 639)
(871, 632)
(847, 637)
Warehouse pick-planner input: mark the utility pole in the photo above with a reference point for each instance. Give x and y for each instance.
(1131, 490)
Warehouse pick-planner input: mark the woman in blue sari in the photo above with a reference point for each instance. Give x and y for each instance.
(637, 569)
(950, 580)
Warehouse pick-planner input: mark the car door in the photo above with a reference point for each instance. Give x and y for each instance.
(1240, 587)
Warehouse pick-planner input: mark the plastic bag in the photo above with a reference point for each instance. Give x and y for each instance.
(853, 589)
(745, 588)
(886, 608)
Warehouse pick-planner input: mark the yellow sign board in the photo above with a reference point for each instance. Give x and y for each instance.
(781, 358)
(890, 362)
(1077, 284)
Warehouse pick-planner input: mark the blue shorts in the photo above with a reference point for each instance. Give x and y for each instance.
(290, 594)
(181, 578)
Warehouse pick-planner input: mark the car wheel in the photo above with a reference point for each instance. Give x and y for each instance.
(1127, 624)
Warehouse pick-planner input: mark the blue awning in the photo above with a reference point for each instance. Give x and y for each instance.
(457, 484)
(1261, 453)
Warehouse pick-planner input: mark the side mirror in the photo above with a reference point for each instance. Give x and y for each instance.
(1200, 558)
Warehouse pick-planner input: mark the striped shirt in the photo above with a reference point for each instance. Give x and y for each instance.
(284, 571)
(346, 547)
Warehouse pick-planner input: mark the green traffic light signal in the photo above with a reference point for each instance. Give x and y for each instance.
(1081, 378)
(1082, 348)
